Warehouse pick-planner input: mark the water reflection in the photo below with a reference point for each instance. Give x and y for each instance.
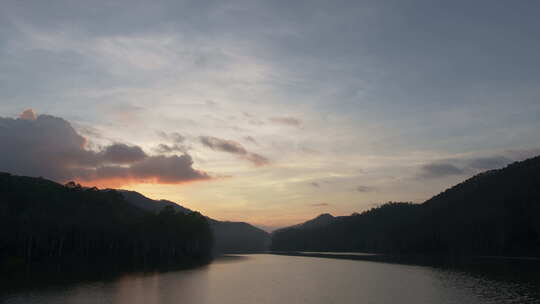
(289, 279)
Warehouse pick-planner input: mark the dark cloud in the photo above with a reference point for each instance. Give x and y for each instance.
(123, 154)
(320, 205)
(224, 145)
(440, 170)
(290, 121)
(364, 189)
(48, 146)
(155, 169)
(233, 147)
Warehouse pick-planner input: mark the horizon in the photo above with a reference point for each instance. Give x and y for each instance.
(270, 229)
(266, 113)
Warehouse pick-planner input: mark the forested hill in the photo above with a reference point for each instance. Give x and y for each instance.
(228, 236)
(148, 204)
(493, 213)
(44, 223)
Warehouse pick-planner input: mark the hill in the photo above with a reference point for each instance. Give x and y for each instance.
(493, 213)
(148, 204)
(228, 236)
(46, 223)
(239, 237)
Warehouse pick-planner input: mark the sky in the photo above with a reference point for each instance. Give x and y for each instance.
(269, 112)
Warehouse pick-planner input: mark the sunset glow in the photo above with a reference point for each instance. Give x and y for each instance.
(250, 110)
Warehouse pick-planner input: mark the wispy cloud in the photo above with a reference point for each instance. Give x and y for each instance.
(472, 165)
(175, 137)
(233, 147)
(289, 121)
(440, 170)
(250, 139)
(176, 143)
(364, 188)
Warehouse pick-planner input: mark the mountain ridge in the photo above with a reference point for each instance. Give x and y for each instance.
(495, 212)
(229, 236)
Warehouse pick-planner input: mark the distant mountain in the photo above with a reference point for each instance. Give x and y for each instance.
(239, 237)
(493, 213)
(320, 221)
(228, 236)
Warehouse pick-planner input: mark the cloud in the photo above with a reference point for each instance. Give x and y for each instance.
(290, 121)
(85, 130)
(320, 205)
(164, 148)
(48, 146)
(174, 137)
(309, 150)
(436, 170)
(250, 139)
(233, 147)
(155, 169)
(176, 145)
(126, 113)
(123, 154)
(28, 115)
(486, 163)
(364, 189)
(256, 122)
(257, 159)
(474, 165)
(522, 154)
(224, 145)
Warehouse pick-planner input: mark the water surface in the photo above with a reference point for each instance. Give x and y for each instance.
(265, 278)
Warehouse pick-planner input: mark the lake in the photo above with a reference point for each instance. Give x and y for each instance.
(266, 278)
